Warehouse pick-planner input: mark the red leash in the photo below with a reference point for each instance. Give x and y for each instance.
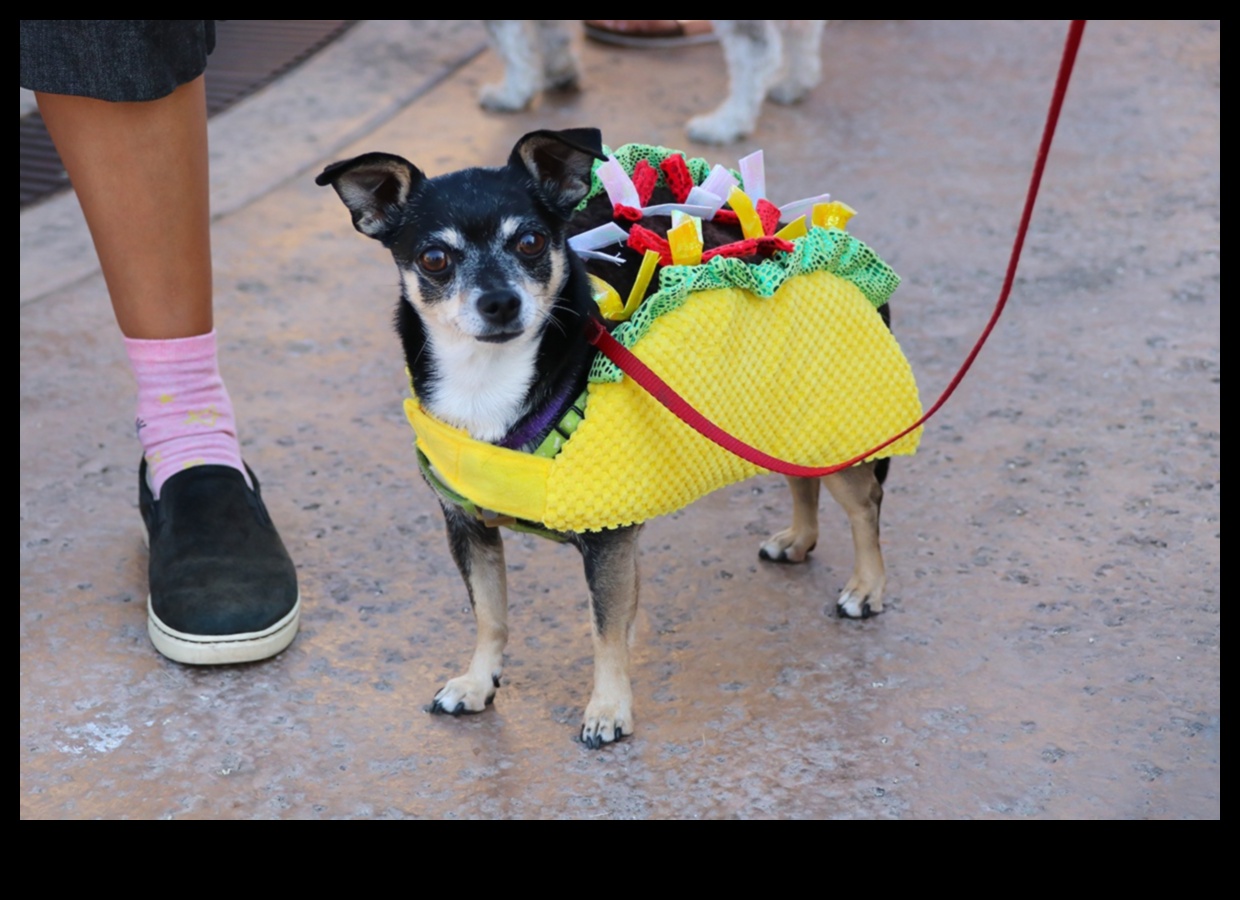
(633, 367)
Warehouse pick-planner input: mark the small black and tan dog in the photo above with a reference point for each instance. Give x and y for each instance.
(491, 315)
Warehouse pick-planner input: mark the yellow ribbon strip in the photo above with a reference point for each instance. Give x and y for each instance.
(751, 225)
(607, 298)
(650, 261)
(793, 230)
(686, 243)
(833, 215)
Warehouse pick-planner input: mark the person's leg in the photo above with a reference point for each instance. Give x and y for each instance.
(223, 588)
(140, 173)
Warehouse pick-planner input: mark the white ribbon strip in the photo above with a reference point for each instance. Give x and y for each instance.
(595, 254)
(666, 209)
(619, 186)
(705, 199)
(797, 208)
(603, 236)
(753, 176)
(719, 183)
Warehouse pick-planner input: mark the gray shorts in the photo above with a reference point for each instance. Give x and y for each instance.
(114, 59)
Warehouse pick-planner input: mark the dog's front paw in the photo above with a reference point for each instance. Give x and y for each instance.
(565, 78)
(466, 694)
(788, 546)
(788, 91)
(860, 599)
(606, 722)
(505, 97)
(723, 126)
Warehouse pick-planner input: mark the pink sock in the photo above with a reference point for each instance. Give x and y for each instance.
(185, 418)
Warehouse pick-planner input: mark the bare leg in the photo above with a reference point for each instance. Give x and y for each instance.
(223, 588)
(140, 172)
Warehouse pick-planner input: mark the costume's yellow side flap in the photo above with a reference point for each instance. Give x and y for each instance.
(494, 478)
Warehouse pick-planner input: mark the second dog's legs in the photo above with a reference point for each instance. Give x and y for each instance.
(802, 69)
(479, 553)
(537, 55)
(611, 572)
(752, 49)
(560, 69)
(518, 45)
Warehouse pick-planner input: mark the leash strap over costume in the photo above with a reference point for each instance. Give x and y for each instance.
(661, 391)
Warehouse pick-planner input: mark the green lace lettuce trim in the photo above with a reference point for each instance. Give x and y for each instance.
(630, 154)
(822, 249)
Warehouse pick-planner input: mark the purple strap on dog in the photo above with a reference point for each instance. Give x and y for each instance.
(537, 424)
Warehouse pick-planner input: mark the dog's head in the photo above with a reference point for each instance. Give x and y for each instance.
(482, 253)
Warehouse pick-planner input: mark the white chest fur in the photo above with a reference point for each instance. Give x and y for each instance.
(480, 387)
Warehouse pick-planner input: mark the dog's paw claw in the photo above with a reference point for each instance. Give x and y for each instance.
(594, 739)
(465, 695)
(437, 708)
(605, 724)
(856, 605)
(782, 548)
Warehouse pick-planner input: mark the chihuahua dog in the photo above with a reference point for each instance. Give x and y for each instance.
(491, 316)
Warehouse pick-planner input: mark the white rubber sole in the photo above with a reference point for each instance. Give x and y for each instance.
(217, 650)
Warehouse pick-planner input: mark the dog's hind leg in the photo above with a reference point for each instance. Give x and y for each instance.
(752, 49)
(611, 573)
(479, 553)
(518, 44)
(802, 68)
(559, 62)
(860, 492)
(792, 545)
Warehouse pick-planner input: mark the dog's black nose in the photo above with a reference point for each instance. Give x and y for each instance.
(499, 308)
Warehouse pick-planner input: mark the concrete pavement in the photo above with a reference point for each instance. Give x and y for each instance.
(1052, 645)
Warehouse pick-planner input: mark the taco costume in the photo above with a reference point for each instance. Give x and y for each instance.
(789, 354)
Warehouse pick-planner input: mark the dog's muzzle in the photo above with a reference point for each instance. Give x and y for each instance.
(501, 314)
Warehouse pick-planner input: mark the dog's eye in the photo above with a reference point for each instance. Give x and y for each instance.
(531, 243)
(434, 261)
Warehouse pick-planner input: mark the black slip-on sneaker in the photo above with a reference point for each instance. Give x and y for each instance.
(222, 587)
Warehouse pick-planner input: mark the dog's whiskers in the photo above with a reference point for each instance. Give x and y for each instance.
(548, 318)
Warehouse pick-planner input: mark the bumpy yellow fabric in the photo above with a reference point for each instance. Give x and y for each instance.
(810, 375)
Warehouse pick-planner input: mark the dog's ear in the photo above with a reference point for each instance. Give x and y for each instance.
(561, 162)
(375, 188)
